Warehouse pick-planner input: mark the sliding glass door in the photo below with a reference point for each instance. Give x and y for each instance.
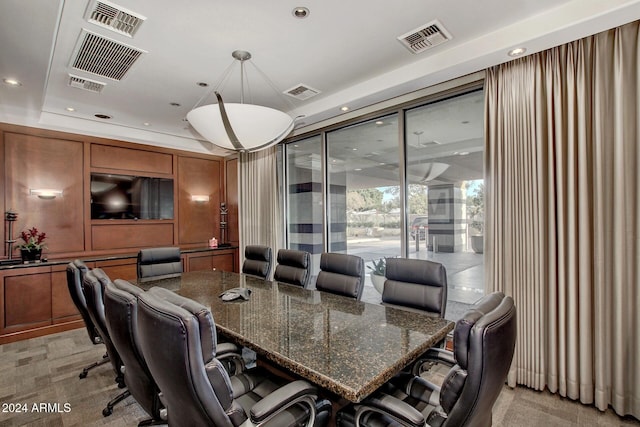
(360, 178)
(444, 145)
(363, 182)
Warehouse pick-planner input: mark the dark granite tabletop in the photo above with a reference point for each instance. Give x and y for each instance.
(345, 346)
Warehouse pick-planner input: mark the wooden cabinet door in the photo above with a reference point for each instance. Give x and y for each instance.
(27, 301)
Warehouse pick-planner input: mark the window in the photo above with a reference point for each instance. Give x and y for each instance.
(444, 146)
(364, 179)
(444, 210)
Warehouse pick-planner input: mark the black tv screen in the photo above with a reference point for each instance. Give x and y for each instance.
(131, 197)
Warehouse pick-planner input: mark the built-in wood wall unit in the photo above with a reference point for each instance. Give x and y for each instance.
(35, 158)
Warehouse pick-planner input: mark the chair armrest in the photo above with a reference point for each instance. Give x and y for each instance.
(230, 353)
(440, 355)
(282, 398)
(431, 357)
(392, 407)
(227, 347)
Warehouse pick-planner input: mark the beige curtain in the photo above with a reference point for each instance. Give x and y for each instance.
(261, 217)
(562, 162)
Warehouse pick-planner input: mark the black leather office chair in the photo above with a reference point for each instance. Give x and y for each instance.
(121, 311)
(257, 261)
(179, 344)
(341, 274)
(228, 353)
(484, 342)
(294, 267)
(75, 274)
(94, 284)
(415, 284)
(159, 263)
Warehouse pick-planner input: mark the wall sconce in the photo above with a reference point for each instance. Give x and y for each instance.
(45, 193)
(199, 198)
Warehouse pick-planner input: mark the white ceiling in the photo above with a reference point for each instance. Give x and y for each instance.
(346, 49)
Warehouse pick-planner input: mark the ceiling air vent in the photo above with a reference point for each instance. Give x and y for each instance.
(301, 92)
(425, 37)
(86, 84)
(114, 17)
(102, 56)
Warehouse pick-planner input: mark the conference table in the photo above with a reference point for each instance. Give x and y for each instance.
(345, 346)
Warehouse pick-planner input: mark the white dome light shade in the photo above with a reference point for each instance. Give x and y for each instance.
(255, 126)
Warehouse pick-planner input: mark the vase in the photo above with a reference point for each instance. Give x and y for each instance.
(378, 282)
(477, 244)
(30, 255)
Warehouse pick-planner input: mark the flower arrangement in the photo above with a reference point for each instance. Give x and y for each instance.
(379, 267)
(33, 240)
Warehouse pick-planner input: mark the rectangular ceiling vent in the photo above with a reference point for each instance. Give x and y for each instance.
(102, 56)
(301, 92)
(86, 84)
(113, 17)
(425, 37)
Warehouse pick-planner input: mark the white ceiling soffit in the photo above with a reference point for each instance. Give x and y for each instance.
(301, 92)
(113, 17)
(104, 57)
(425, 37)
(86, 84)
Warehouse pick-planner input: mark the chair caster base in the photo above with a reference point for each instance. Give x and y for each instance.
(109, 409)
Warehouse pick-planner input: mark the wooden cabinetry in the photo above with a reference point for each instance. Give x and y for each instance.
(221, 259)
(36, 158)
(35, 301)
(123, 268)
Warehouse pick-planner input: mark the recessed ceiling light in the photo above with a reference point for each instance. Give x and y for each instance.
(381, 163)
(71, 109)
(300, 12)
(358, 169)
(12, 82)
(203, 84)
(517, 51)
(354, 149)
(147, 124)
(174, 104)
(102, 116)
(379, 122)
(463, 153)
(345, 108)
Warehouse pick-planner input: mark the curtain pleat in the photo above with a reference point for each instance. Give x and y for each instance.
(562, 215)
(261, 217)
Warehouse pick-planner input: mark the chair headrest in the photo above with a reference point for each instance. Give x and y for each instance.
(80, 265)
(208, 336)
(418, 271)
(464, 326)
(299, 259)
(258, 253)
(125, 286)
(159, 255)
(349, 265)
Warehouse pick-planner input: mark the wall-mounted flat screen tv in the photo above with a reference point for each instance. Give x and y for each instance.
(131, 197)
